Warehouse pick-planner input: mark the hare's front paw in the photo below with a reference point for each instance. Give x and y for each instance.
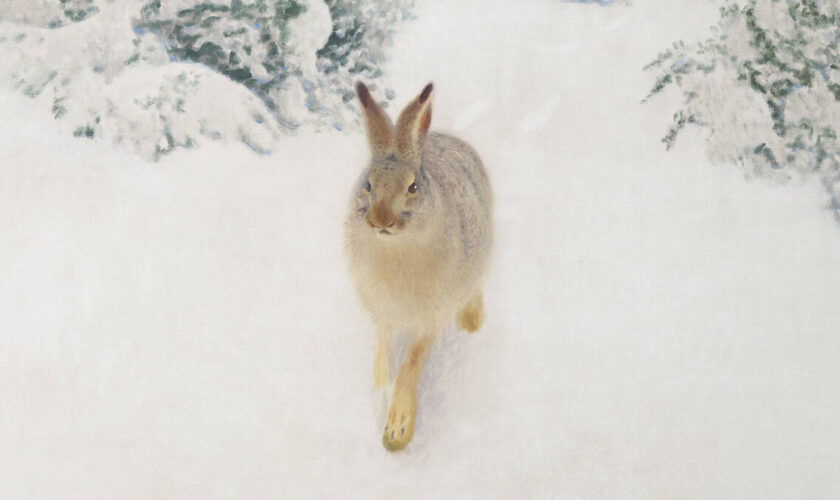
(399, 426)
(380, 369)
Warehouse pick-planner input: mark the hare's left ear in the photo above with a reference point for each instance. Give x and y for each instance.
(413, 125)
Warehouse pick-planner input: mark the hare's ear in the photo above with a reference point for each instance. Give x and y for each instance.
(380, 130)
(413, 125)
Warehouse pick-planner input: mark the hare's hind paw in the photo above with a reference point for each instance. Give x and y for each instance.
(471, 316)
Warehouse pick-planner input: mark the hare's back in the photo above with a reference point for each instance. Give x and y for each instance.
(457, 166)
(464, 189)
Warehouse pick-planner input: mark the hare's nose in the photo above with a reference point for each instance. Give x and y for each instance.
(381, 216)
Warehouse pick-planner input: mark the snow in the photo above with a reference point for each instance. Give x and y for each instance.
(657, 326)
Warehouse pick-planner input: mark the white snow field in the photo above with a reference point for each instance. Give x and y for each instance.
(658, 327)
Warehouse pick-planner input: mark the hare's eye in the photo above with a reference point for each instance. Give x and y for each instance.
(413, 187)
(367, 187)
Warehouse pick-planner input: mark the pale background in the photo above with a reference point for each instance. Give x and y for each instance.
(658, 326)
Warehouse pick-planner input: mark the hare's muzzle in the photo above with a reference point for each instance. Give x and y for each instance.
(381, 216)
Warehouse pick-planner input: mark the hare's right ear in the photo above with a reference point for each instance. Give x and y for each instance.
(380, 130)
(413, 125)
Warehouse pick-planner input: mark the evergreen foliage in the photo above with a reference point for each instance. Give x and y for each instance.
(767, 85)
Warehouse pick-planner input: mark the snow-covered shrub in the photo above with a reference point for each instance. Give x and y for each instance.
(48, 13)
(766, 84)
(299, 56)
(145, 74)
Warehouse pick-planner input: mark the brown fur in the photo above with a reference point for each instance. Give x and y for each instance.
(413, 125)
(378, 125)
(381, 216)
(471, 316)
(425, 123)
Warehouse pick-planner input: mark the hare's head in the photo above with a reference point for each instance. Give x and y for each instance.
(395, 197)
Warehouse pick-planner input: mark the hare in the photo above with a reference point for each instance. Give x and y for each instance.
(418, 236)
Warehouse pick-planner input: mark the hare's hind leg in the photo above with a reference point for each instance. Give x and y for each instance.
(399, 425)
(380, 359)
(471, 315)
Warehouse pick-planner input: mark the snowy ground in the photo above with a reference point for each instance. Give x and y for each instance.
(657, 326)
